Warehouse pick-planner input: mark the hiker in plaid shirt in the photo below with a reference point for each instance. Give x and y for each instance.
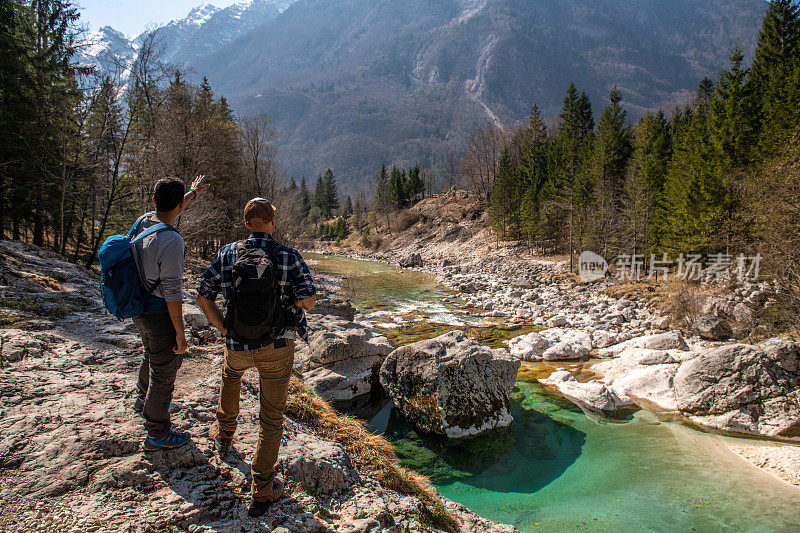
(274, 361)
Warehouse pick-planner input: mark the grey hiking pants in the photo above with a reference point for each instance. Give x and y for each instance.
(158, 370)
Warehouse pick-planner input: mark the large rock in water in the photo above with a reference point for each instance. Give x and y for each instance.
(451, 385)
(743, 389)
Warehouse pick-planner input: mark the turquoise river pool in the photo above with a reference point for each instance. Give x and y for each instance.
(557, 469)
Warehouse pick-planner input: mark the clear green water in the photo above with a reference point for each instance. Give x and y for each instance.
(374, 286)
(558, 470)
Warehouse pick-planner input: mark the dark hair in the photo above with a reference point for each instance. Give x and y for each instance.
(168, 194)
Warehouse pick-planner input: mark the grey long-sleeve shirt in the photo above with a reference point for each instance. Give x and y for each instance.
(162, 259)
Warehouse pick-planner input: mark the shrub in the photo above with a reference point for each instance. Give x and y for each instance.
(406, 219)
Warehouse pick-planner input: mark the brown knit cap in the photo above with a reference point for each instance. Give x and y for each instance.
(259, 208)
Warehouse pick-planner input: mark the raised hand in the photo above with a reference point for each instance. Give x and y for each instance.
(199, 184)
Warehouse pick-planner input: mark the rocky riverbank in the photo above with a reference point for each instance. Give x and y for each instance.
(682, 355)
(70, 444)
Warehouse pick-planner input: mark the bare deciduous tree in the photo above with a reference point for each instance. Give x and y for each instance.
(479, 163)
(259, 154)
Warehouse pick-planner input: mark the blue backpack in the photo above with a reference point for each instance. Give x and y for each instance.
(125, 290)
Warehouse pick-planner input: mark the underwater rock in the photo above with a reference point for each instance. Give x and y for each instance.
(443, 460)
(451, 385)
(741, 389)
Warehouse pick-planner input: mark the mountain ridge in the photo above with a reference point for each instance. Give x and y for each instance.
(352, 84)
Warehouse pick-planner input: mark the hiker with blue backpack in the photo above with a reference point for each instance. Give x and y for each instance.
(142, 278)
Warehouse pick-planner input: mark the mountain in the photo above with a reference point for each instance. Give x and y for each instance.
(355, 83)
(207, 28)
(107, 50)
(203, 31)
(352, 84)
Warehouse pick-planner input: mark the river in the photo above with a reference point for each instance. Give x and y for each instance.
(558, 469)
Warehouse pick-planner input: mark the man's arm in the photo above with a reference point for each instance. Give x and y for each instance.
(170, 266)
(213, 313)
(176, 315)
(198, 186)
(305, 294)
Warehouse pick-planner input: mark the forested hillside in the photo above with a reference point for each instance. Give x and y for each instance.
(80, 151)
(694, 178)
(353, 84)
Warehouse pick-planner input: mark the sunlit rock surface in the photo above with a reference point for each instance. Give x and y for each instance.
(451, 385)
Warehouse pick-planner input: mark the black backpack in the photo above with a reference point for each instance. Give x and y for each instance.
(255, 313)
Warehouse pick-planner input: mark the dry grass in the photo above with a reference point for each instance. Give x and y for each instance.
(370, 453)
(681, 300)
(406, 219)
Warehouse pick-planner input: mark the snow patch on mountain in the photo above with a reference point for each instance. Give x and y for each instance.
(202, 32)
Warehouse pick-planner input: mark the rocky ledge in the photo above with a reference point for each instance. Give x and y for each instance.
(70, 444)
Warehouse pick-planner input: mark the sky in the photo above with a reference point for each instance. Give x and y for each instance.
(131, 17)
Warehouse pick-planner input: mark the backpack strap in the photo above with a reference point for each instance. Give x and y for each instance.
(151, 230)
(136, 225)
(137, 258)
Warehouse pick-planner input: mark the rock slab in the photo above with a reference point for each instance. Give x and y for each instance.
(743, 389)
(451, 385)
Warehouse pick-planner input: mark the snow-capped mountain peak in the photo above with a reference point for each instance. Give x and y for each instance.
(199, 15)
(203, 31)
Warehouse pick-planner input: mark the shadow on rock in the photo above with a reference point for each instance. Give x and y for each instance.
(192, 477)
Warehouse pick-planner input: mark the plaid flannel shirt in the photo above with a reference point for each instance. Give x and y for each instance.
(296, 282)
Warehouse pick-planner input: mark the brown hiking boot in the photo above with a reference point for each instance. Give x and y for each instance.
(223, 440)
(259, 508)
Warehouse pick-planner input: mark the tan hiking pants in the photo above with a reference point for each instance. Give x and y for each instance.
(274, 366)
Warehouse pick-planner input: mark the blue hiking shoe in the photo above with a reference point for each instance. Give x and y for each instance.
(173, 439)
(138, 405)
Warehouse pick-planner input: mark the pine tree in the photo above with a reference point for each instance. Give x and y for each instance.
(644, 184)
(15, 112)
(733, 119)
(693, 194)
(416, 186)
(572, 144)
(331, 193)
(612, 149)
(505, 199)
(534, 168)
(775, 75)
(397, 188)
(305, 198)
(47, 36)
(383, 201)
(348, 206)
